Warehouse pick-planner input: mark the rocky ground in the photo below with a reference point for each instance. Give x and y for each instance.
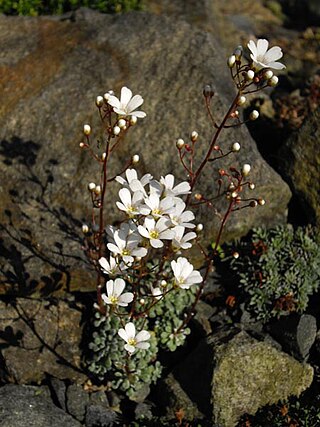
(52, 69)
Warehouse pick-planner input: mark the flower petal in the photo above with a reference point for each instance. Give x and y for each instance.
(252, 46)
(143, 345)
(122, 333)
(134, 103)
(276, 65)
(130, 330)
(262, 46)
(273, 54)
(139, 114)
(130, 348)
(125, 96)
(127, 297)
(142, 336)
(110, 288)
(114, 101)
(118, 287)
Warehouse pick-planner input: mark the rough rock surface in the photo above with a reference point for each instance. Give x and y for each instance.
(239, 374)
(51, 71)
(301, 166)
(38, 339)
(31, 406)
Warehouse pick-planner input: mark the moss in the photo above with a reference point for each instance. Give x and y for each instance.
(251, 374)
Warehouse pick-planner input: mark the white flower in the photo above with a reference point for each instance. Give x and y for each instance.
(132, 339)
(127, 104)
(170, 190)
(114, 293)
(178, 217)
(159, 207)
(126, 243)
(264, 58)
(112, 267)
(184, 274)
(181, 241)
(132, 204)
(133, 183)
(156, 231)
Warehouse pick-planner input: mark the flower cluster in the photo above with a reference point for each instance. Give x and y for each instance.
(156, 218)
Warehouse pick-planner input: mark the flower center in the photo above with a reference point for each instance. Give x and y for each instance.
(154, 234)
(125, 252)
(131, 209)
(132, 341)
(113, 299)
(156, 212)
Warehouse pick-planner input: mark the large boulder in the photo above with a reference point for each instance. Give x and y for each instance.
(51, 71)
(39, 338)
(239, 374)
(301, 166)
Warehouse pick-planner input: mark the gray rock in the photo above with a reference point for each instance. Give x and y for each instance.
(45, 174)
(30, 406)
(301, 166)
(77, 400)
(39, 338)
(239, 374)
(97, 416)
(295, 333)
(58, 390)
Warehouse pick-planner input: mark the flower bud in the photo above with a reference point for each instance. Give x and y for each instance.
(82, 145)
(97, 190)
(142, 301)
(199, 227)
(234, 194)
(198, 196)
(99, 101)
(261, 202)
(194, 136)
(241, 100)
(254, 115)
(238, 52)
(163, 283)
(235, 255)
(268, 74)
(135, 159)
(87, 130)
(231, 61)
(91, 186)
(116, 130)
(108, 94)
(133, 120)
(273, 81)
(252, 186)
(122, 123)
(208, 92)
(246, 169)
(85, 229)
(250, 75)
(253, 204)
(180, 143)
(235, 147)
(103, 156)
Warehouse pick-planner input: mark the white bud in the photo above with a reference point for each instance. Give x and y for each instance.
(235, 255)
(116, 130)
(252, 186)
(180, 143)
(163, 283)
(81, 145)
(86, 129)
(250, 75)
(135, 159)
(97, 190)
(194, 136)
(91, 186)
(231, 61)
(133, 120)
(235, 147)
(103, 156)
(261, 202)
(268, 74)
(246, 169)
(99, 101)
(254, 115)
(85, 229)
(273, 81)
(122, 123)
(199, 227)
(241, 100)
(142, 301)
(234, 194)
